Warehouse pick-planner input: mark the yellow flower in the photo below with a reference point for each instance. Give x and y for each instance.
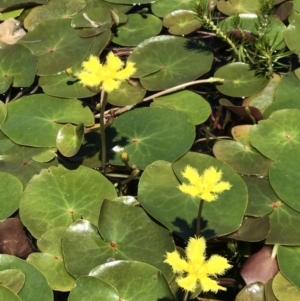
(206, 186)
(108, 76)
(196, 271)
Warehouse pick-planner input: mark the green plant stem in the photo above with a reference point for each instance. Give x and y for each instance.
(185, 297)
(182, 86)
(274, 251)
(199, 218)
(103, 101)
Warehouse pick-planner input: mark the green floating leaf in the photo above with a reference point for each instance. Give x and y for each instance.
(253, 229)
(46, 155)
(277, 134)
(127, 94)
(159, 194)
(58, 196)
(93, 286)
(132, 279)
(138, 28)
(232, 7)
(10, 14)
(263, 200)
(284, 178)
(286, 95)
(239, 80)
(44, 117)
(162, 8)
(261, 196)
(18, 3)
(254, 291)
(35, 288)
(240, 155)
(17, 67)
(265, 97)
(174, 64)
(150, 134)
(181, 22)
(68, 86)
(133, 2)
(190, 103)
(7, 294)
(54, 9)
(284, 290)
(292, 35)
(3, 112)
(17, 160)
(13, 279)
(93, 18)
(10, 189)
(57, 46)
(287, 255)
(50, 262)
(69, 139)
(126, 233)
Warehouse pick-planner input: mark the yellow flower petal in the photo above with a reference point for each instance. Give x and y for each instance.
(188, 283)
(209, 284)
(88, 79)
(196, 271)
(176, 262)
(113, 62)
(206, 186)
(188, 189)
(191, 174)
(195, 250)
(217, 265)
(92, 64)
(126, 72)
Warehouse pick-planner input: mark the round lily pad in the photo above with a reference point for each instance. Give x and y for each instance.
(17, 67)
(284, 178)
(181, 22)
(239, 80)
(69, 139)
(162, 8)
(292, 35)
(188, 102)
(18, 3)
(263, 200)
(132, 279)
(285, 256)
(232, 7)
(254, 291)
(10, 190)
(13, 279)
(126, 232)
(240, 155)
(51, 262)
(7, 294)
(93, 286)
(284, 289)
(57, 46)
(160, 196)
(138, 28)
(173, 64)
(3, 112)
(44, 117)
(36, 287)
(150, 134)
(58, 196)
(127, 94)
(54, 9)
(277, 134)
(286, 95)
